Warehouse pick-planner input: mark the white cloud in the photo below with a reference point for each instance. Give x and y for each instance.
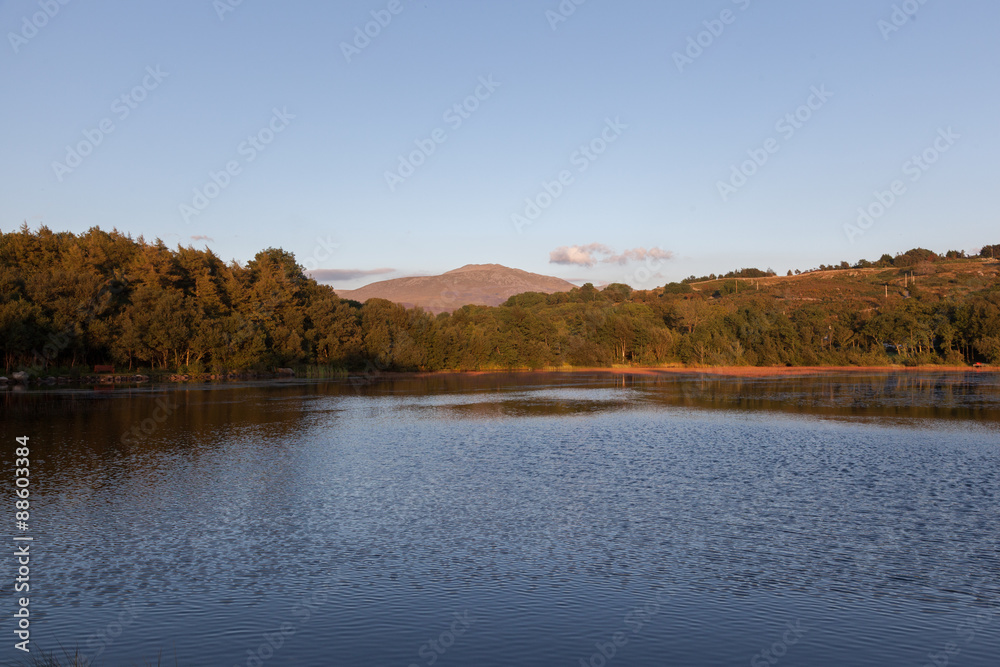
(580, 255)
(589, 255)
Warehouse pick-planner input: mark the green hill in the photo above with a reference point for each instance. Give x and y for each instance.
(69, 302)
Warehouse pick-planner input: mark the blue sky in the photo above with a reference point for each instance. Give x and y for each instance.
(309, 129)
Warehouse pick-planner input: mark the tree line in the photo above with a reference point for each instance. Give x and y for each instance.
(73, 301)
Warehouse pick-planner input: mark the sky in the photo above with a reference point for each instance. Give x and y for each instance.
(632, 141)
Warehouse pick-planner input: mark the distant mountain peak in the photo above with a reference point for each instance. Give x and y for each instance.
(482, 267)
(472, 284)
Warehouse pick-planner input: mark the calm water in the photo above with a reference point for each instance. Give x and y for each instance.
(518, 520)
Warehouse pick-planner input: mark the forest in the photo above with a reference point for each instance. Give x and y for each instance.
(69, 302)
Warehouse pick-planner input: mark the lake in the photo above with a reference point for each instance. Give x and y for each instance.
(517, 519)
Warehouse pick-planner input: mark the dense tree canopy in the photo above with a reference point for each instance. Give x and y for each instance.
(71, 301)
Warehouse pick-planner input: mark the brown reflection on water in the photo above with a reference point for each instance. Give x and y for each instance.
(895, 396)
(83, 444)
(101, 418)
(529, 407)
(191, 416)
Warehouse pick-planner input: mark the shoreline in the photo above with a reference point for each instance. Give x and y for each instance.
(645, 371)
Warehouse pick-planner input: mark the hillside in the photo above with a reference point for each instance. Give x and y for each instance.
(944, 279)
(473, 284)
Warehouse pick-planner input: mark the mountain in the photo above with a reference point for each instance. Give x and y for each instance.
(479, 284)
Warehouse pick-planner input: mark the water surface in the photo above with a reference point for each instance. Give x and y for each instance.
(540, 519)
